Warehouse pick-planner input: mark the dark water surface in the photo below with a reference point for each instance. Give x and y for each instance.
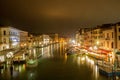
(54, 64)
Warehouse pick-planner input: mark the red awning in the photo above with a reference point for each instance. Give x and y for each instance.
(103, 51)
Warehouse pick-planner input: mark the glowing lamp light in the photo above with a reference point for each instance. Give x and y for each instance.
(97, 42)
(2, 58)
(73, 41)
(7, 46)
(25, 44)
(83, 58)
(78, 44)
(90, 48)
(31, 61)
(15, 43)
(95, 47)
(39, 42)
(9, 55)
(24, 56)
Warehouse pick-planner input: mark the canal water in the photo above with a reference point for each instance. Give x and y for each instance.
(54, 64)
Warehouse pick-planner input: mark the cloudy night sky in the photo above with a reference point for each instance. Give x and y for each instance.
(58, 16)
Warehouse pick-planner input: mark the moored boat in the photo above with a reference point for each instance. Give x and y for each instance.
(72, 50)
(31, 63)
(108, 69)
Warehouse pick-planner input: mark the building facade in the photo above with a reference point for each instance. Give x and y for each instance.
(9, 37)
(23, 39)
(117, 36)
(106, 36)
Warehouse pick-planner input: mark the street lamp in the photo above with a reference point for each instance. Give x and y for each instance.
(91, 48)
(78, 44)
(73, 41)
(97, 42)
(95, 47)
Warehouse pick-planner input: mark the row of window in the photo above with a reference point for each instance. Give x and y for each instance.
(112, 44)
(11, 39)
(99, 37)
(107, 38)
(99, 32)
(11, 33)
(96, 32)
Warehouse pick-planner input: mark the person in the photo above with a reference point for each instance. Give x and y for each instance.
(11, 69)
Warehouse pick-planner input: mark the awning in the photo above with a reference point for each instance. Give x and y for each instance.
(103, 51)
(99, 50)
(86, 47)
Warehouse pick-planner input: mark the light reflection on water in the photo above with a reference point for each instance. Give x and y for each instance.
(54, 64)
(89, 62)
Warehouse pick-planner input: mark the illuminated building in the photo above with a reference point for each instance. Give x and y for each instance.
(39, 40)
(30, 41)
(82, 36)
(96, 37)
(111, 37)
(77, 37)
(9, 37)
(117, 36)
(23, 39)
(108, 37)
(89, 37)
(105, 38)
(56, 37)
(45, 39)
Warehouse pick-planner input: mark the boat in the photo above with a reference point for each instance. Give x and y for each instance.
(108, 69)
(71, 51)
(31, 63)
(31, 59)
(103, 63)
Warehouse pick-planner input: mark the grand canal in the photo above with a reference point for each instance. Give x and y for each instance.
(54, 64)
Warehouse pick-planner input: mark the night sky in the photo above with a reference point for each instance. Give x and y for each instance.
(58, 16)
